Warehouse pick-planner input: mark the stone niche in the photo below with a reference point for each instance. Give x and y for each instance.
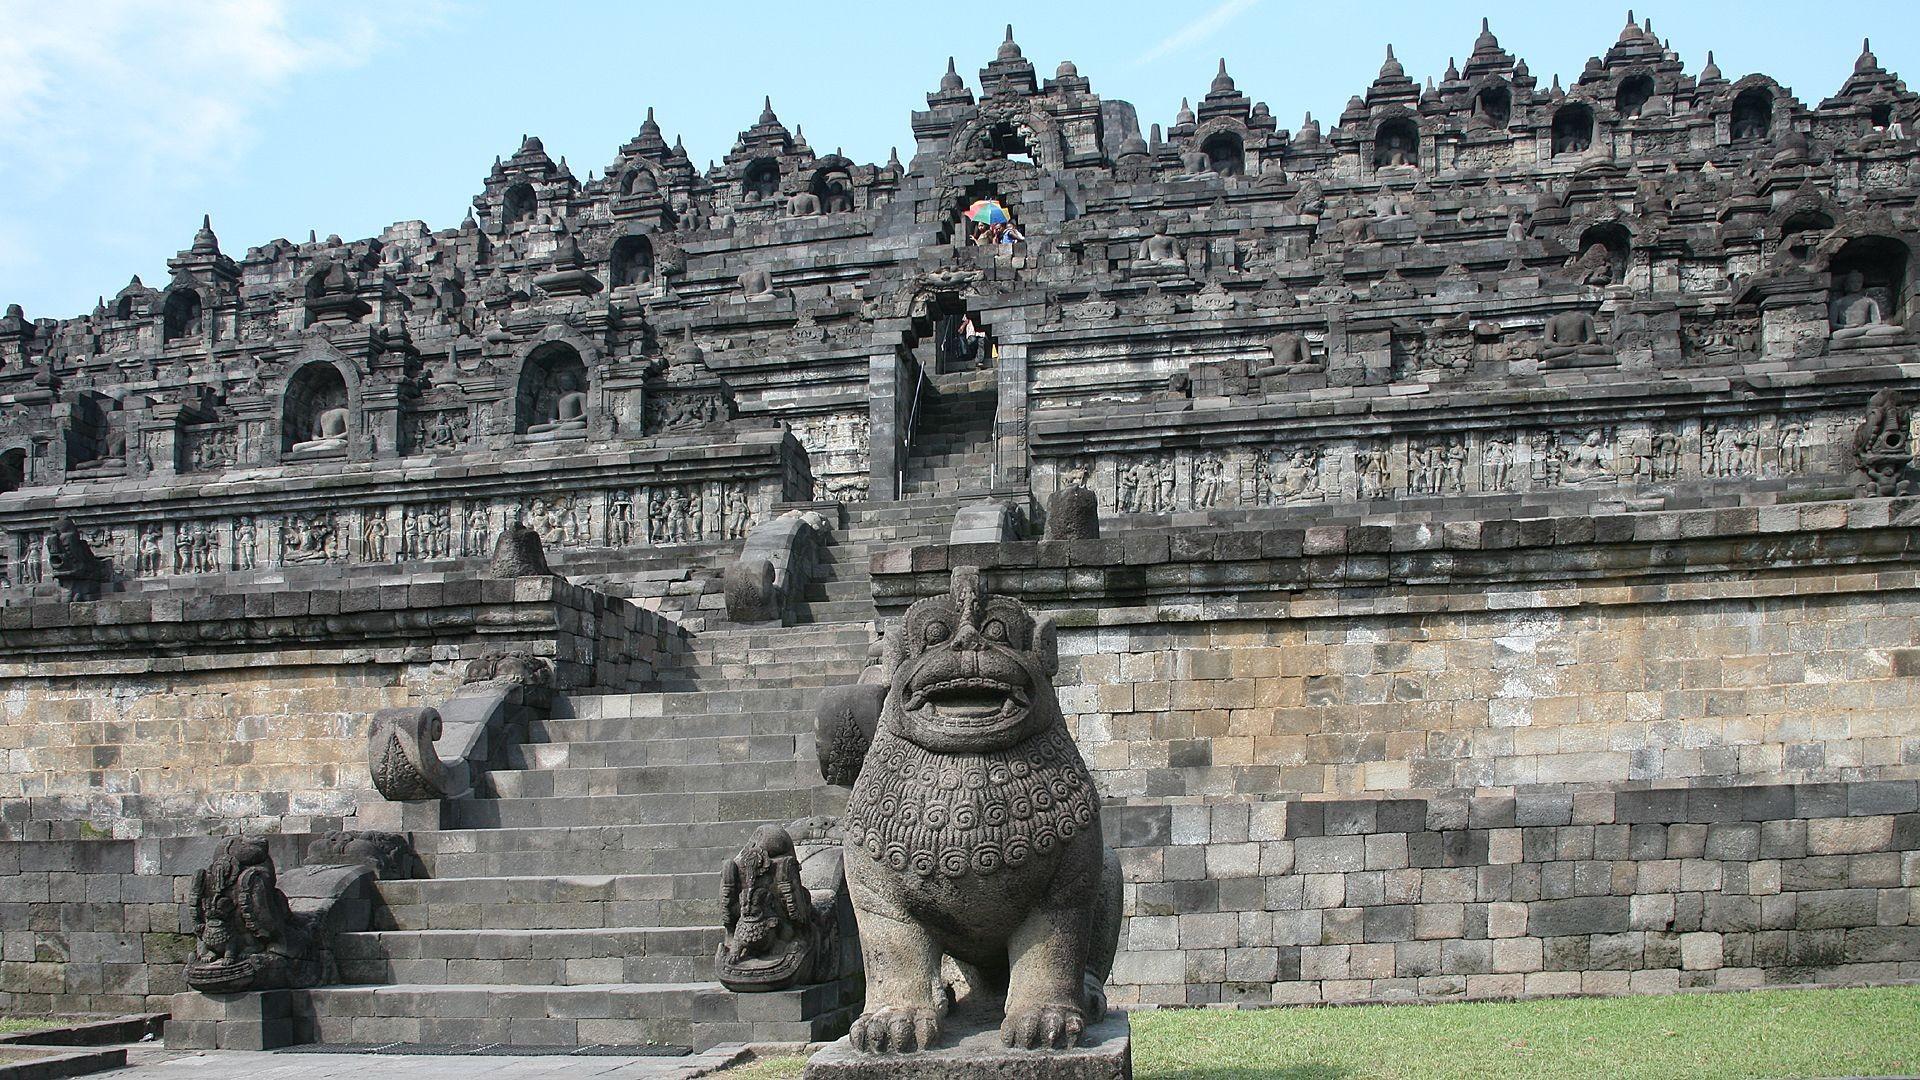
(551, 402)
(315, 412)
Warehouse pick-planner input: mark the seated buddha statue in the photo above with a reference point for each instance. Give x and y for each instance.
(329, 432)
(569, 416)
(1572, 341)
(1856, 314)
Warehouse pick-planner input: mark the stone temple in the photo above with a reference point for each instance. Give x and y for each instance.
(1477, 528)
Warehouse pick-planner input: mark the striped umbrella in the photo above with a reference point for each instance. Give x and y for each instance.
(988, 212)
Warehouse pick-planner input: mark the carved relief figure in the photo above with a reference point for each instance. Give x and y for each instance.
(1208, 470)
(620, 518)
(734, 513)
(147, 561)
(1496, 463)
(183, 548)
(1590, 460)
(246, 540)
(479, 530)
(659, 531)
(1374, 472)
(306, 538)
(1300, 476)
(373, 536)
(32, 559)
(1792, 445)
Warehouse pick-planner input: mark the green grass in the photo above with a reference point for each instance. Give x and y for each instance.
(1798, 1033)
(10, 1024)
(775, 1068)
(1766, 1033)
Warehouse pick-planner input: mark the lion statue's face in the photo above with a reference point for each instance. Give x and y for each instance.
(971, 672)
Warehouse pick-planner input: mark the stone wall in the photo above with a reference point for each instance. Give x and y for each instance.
(1815, 685)
(1635, 890)
(186, 714)
(1769, 644)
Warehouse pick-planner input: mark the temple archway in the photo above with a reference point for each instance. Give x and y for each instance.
(631, 262)
(314, 409)
(1634, 93)
(1494, 104)
(1396, 142)
(1606, 246)
(761, 179)
(1752, 119)
(13, 469)
(519, 204)
(1226, 154)
(1881, 264)
(552, 392)
(1572, 130)
(181, 317)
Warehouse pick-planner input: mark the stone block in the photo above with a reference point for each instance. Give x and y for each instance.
(1849, 835)
(1579, 915)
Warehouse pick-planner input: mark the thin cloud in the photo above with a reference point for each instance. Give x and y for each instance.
(1198, 30)
(148, 88)
(129, 103)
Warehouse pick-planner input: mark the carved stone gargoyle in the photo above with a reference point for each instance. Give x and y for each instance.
(788, 922)
(248, 938)
(401, 756)
(256, 929)
(420, 754)
(73, 562)
(1882, 446)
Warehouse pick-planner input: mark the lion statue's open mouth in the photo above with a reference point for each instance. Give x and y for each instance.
(969, 703)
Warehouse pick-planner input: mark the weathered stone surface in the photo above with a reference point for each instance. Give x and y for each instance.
(973, 1049)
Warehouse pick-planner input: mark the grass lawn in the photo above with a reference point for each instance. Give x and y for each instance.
(1798, 1033)
(10, 1024)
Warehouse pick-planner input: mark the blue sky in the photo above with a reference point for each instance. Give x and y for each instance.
(121, 121)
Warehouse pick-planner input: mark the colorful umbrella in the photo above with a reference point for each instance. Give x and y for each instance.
(988, 212)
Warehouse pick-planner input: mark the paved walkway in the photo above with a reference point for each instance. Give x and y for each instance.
(155, 1063)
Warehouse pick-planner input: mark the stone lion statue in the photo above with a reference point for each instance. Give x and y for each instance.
(973, 833)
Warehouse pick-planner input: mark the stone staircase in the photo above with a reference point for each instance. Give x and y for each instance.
(952, 450)
(576, 901)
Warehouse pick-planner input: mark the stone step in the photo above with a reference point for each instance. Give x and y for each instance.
(794, 720)
(840, 589)
(693, 1014)
(738, 638)
(841, 611)
(575, 781)
(683, 751)
(664, 811)
(586, 706)
(568, 901)
(664, 858)
(769, 673)
(563, 957)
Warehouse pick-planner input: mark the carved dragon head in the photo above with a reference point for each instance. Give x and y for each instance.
(971, 671)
